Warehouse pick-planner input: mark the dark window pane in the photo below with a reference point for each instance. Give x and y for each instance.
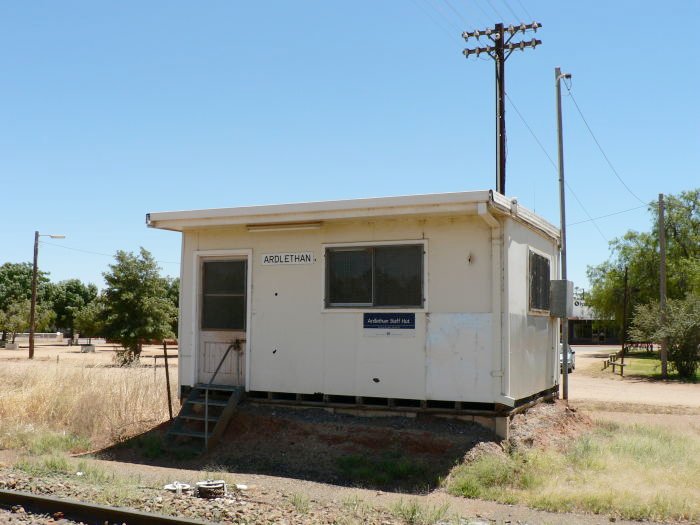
(223, 312)
(539, 282)
(398, 274)
(349, 276)
(224, 277)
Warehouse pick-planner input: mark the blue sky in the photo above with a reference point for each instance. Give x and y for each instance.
(110, 110)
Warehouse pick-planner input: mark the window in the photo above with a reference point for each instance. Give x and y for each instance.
(375, 276)
(223, 295)
(539, 282)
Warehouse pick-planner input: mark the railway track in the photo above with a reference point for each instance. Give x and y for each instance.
(86, 512)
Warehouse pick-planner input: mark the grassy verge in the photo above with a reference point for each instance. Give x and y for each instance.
(411, 512)
(105, 487)
(47, 407)
(649, 365)
(634, 472)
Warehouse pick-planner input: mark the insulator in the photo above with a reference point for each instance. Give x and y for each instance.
(488, 32)
(523, 28)
(522, 45)
(533, 43)
(478, 51)
(477, 34)
(511, 29)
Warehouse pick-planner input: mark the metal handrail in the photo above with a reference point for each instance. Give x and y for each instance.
(237, 346)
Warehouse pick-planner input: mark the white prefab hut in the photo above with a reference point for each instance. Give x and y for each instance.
(428, 302)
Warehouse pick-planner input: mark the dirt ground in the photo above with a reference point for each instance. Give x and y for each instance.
(607, 396)
(302, 451)
(267, 498)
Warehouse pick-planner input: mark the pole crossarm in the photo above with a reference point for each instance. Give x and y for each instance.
(492, 33)
(500, 49)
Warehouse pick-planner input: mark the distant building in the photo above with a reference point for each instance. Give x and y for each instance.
(586, 328)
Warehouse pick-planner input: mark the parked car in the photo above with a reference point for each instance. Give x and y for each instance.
(570, 359)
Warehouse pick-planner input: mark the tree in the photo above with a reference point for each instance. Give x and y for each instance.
(174, 296)
(16, 285)
(89, 320)
(681, 329)
(67, 298)
(638, 252)
(137, 303)
(15, 319)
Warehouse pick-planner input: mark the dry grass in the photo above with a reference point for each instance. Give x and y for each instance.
(630, 471)
(47, 406)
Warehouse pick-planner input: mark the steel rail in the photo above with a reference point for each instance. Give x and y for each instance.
(87, 512)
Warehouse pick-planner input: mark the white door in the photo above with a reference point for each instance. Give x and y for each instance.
(222, 320)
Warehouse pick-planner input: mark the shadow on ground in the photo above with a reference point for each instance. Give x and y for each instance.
(384, 453)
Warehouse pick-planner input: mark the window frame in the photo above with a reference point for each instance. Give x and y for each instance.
(363, 307)
(548, 257)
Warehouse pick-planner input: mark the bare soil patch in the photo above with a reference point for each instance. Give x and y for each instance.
(384, 453)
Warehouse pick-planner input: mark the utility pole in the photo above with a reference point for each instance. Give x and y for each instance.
(662, 284)
(32, 309)
(501, 49)
(558, 75)
(624, 321)
(35, 271)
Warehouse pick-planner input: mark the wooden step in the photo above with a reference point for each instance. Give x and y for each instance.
(189, 433)
(212, 402)
(225, 388)
(199, 417)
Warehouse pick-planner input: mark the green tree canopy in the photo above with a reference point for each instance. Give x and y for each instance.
(67, 298)
(639, 253)
(137, 304)
(89, 320)
(15, 319)
(16, 283)
(681, 329)
(16, 287)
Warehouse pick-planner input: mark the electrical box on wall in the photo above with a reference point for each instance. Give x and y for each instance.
(561, 298)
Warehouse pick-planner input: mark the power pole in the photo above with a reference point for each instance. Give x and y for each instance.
(32, 308)
(501, 49)
(624, 321)
(558, 76)
(662, 284)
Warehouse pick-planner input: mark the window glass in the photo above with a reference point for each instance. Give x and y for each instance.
(539, 282)
(223, 295)
(223, 312)
(224, 277)
(398, 276)
(379, 276)
(349, 276)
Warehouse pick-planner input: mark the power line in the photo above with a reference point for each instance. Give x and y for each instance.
(454, 10)
(607, 215)
(111, 256)
(605, 156)
(499, 15)
(511, 9)
(440, 12)
(450, 34)
(488, 16)
(551, 161)
(524, 9)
